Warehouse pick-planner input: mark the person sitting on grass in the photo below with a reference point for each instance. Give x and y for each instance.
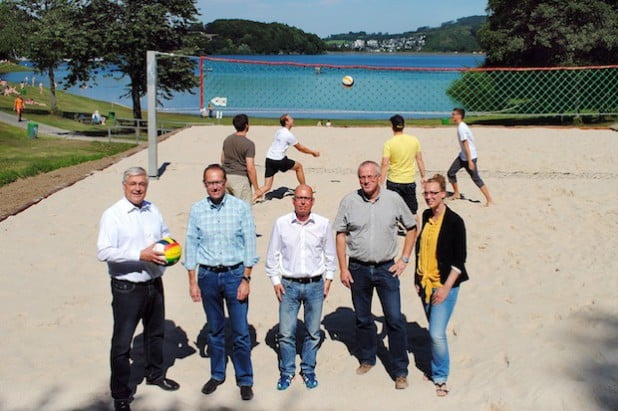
(97, 118)
(33, 102)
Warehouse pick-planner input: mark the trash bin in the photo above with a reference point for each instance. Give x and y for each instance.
(445, 121)
(111, 116)
(33, 130)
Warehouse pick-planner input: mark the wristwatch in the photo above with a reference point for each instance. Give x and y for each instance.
(246, 278)
(405, 260)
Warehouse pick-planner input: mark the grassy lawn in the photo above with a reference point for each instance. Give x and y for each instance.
(9, 67)
(23, 157)
(72, 106)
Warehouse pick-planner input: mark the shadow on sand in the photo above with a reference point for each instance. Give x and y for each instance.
(272, 337)
(201, 342)
(599, 369)
(175, 346)
(340, 326)
(279, 193)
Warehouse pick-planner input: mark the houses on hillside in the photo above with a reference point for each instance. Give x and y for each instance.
(411, 43)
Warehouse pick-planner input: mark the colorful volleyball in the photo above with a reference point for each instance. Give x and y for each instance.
(347, 81)
(170, 248)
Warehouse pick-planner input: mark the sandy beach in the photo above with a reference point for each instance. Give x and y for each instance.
(536, 326)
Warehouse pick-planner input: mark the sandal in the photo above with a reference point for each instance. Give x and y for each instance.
(441, 390)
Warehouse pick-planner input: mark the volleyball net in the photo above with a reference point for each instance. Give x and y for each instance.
(269, 89)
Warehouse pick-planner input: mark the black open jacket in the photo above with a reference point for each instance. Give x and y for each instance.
(451, 249)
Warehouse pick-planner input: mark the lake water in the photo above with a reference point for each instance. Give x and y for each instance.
(310, 86)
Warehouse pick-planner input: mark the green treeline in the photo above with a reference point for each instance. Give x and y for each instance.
(235, 36)
(452, 36)
(545, 33)
(549, 33)
(460, 36)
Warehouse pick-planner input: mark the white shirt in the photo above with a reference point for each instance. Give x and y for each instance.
(124, 231)
(301, 249)
(283, 140)
(464, 133)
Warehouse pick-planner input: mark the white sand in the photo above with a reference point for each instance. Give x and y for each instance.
(534, 328)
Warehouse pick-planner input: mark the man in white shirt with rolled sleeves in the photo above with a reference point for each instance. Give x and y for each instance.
(128, 231)
(301, 264)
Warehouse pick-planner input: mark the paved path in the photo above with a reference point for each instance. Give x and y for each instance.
(44, 130)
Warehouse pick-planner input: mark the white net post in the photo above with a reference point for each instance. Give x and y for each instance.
(151, 74)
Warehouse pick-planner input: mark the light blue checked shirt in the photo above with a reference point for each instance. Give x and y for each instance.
(220, 234)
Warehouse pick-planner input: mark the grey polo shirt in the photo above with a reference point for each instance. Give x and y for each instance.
(371, 228)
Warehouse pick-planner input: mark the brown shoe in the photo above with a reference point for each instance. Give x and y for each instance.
(401, 383)
(363, 368)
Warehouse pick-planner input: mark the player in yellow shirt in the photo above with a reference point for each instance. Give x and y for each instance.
(400, 157)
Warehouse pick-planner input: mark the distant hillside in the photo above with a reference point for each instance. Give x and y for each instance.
(238, 36)
(452, 36)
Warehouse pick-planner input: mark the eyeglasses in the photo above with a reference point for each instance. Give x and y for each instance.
(300, 198)
(136, 183)
(431, 193)
(214, 183)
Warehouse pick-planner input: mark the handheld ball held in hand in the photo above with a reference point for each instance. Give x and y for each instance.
(347, 81)
(170, 248)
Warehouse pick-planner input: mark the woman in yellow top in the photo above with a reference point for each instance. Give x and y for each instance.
(441, 254)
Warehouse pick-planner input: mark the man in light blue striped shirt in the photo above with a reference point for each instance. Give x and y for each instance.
(220, 253)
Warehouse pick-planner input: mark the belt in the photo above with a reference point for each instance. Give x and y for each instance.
(370, 263)
(221, 268)
(147, 282)
(305, 280)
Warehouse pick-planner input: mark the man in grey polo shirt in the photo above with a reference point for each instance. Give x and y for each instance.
(367, 224)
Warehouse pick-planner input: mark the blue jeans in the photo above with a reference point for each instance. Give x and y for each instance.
(438, 317)
(132, 302)
(366, 278)
(311, 295)
(215, 288)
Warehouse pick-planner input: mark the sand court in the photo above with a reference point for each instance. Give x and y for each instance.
(535, 327)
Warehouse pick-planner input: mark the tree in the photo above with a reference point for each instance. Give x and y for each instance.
(47, 29)
(10, 28)
(235, 36)
(136, 26)
(538, 33)
(91, 34)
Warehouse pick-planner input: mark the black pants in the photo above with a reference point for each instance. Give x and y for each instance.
(131, 303)
(407, 192)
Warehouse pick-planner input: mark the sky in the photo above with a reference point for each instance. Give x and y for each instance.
(325, 17)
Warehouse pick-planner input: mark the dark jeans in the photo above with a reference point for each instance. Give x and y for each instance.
(131, 303)
(366, 278)
(407, 192)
